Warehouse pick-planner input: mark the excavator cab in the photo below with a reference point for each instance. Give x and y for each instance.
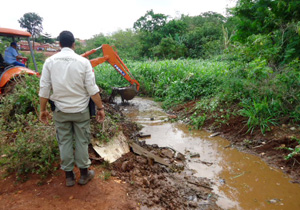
(8, 72)
(111, 56)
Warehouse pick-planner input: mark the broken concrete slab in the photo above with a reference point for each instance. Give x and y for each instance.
(150, 156)
(114, 149)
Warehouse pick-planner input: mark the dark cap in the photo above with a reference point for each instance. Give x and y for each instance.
(13, 44)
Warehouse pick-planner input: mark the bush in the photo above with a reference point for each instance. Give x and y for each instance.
(27, 146)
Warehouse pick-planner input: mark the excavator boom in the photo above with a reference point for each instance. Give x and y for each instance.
(113, 58)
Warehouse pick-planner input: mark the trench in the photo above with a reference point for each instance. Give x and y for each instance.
(241, 180)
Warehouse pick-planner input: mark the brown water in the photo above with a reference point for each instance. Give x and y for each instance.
(242, 181)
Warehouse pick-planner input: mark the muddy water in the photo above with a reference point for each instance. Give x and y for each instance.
(242, 181)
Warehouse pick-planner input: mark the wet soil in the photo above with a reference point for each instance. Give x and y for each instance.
(132, 182)
(156, 186)
(269, 146)
(53, 194)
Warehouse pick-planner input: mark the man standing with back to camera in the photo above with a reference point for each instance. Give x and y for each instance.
(71, 79)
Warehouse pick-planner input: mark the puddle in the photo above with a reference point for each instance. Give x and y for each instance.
(242, 181)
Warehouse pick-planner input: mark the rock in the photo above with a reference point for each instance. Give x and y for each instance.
(146, 182)
(193, 204)
(142, 135)
(195, 155)
(124, 166)
(167, 153)
(172, 116)
(292, 128)
(141, 160)
(275, 200)
(155, 199)
(180, 156)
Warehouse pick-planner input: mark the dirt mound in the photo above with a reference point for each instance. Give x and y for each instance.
(157, 186)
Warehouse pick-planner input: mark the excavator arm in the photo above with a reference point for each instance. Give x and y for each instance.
(113, 58)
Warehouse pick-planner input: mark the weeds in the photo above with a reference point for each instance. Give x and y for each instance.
(265, 95)
(258, 114)
(293, 151)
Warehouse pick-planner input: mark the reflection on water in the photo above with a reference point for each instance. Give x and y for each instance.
(242, 181)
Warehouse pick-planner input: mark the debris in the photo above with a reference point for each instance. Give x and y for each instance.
(195, 155)
(206, 163)
(142, 135)
(167, 153)
(274, 200)
(238, 175)
(180, 156)
(227, 146)
(143, 152)
(222, 181)
(172, 116)
(215, 134)
(114, 149)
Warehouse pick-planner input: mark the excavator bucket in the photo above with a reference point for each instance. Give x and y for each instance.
(111, 56)
(126, 93)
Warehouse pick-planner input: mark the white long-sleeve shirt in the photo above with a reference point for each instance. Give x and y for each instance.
(71, 79)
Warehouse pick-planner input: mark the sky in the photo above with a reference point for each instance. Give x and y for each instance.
(86, 18)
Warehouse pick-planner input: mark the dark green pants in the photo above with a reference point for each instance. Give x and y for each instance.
(73, 130)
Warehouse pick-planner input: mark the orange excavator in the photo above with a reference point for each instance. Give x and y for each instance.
(111, 56)
(8, 72)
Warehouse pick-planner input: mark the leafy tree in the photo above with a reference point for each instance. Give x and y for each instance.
(32, 22)
(169, 49)
(277, 19)
(149, 32)
(204, 34)
(150, 21)
(127, 44)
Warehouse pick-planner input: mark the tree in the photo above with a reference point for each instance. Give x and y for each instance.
(204, 34)
(150, 21)
(149, 29)
(277, 20)
(127, 44)
(33, 23)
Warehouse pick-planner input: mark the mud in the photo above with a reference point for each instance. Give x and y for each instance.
(151, 184)
(156, 186)
(268, 146)
(240, 180)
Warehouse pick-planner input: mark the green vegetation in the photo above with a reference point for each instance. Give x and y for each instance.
(245, 65)
(26, 145)
(262, 96)
(294, 151)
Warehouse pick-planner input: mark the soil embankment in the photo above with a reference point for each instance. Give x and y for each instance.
(269, 146)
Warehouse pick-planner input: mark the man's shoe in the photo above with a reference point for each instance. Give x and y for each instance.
(85, 176)
(70, 178)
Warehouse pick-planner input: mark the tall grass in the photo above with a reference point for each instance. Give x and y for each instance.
(264, 97)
